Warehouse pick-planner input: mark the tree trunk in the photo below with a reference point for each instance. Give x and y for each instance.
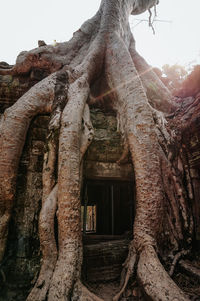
(101, 51)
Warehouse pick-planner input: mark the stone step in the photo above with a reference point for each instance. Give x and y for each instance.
(103, 261)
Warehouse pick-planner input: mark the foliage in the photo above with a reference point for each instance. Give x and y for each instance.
(172, 76)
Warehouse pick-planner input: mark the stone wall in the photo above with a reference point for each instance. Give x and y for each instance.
(13, 87)
(106, 149)
(22, 259)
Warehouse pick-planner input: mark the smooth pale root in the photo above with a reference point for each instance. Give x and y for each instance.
(141, 138)
(142, 141)
(147, 155)
(69, 259)
(14, 126)
(47, 233)
(75, 136)
(73, 143)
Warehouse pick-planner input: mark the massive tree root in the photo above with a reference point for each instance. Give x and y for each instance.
(103, 50)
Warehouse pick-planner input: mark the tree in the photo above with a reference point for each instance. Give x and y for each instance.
(175, 74)
(190, 86)
(103, 51)
(172, 76)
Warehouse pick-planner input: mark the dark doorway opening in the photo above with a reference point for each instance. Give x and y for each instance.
(107, 207)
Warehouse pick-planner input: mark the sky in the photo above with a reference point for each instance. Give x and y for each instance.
(24, 22)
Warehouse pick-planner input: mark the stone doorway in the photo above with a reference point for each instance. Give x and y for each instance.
(107, 222)
(107, 207)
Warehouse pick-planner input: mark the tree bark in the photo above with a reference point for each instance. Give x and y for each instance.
(103, 49)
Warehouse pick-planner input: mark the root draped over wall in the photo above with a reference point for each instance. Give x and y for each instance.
(103, 48)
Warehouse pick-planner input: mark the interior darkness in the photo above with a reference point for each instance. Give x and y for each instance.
(109, 207)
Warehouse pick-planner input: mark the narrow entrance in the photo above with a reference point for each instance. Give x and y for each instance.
(107, 221)
(107, 207)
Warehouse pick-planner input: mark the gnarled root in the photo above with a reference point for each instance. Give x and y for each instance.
(81, 293)
(127, 271)
(67, 269)
(176, 259)
(52, 58)
(190, 269)
(154, 279)
(61, 280)
(146, 156)
(71, 141)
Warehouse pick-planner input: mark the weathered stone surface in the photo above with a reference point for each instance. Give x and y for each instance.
(107, 144)
(108, 170)
(111, 255)
(13, 87)
(23, 260)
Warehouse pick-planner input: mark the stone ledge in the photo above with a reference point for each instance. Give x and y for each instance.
(102, 170)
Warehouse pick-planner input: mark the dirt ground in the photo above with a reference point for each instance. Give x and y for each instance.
(188, 283)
